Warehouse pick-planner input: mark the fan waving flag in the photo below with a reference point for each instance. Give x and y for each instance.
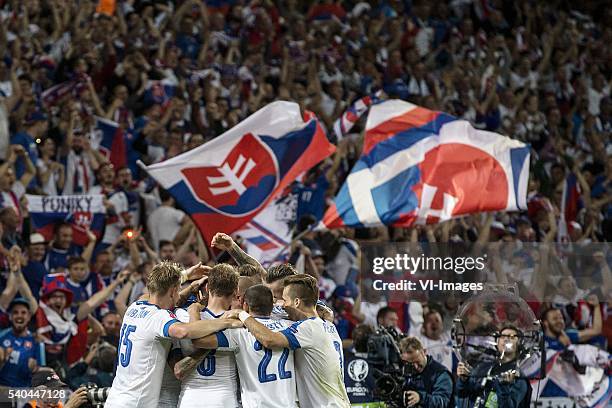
(109, 137)
(345, 123)
(224, 183)
(419, 166)
(82, 212)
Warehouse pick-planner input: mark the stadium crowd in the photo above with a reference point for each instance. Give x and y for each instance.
(176, 74)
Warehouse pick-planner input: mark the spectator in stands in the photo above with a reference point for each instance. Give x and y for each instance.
(80, 281)
(11, 188)
(36, 127)
(35, 270)
(19, 350)
(51, 174)
(436, 340)
(63, 326)
(558, 337)
(166, 222)
(387, 318)
(167, 251)
(62, 247)
(112, 326)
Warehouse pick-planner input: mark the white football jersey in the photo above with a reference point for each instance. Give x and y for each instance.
(214, 381)
(267, 377)
(319, 361)
(170, 385)
(144, 343)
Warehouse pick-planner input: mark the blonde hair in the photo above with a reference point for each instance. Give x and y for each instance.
(163, 277)
(410, 344)
(223, 280)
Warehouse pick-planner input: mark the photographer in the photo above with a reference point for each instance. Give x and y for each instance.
(428, 383)
(98, 367)
(496, 383)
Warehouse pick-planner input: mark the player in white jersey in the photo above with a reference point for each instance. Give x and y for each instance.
(317, 345)
(145, 337)
(170, 388)
(215, 380)
(267, 377)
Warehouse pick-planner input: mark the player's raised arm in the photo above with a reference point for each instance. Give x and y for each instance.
(268, 338)
(226, 243)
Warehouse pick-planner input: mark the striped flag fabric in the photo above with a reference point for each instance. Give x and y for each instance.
(345, 123)
(110, 139)
(226, 182)
(420, 167)
(267, 236)
(81, 211)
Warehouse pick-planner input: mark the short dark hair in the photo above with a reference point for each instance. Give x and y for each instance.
(383, 311)
(73, 260)
(430, 312)
(303, 287)
(164, 195)
(260, 300)
(281, 271)
(222, 280)
(163, 243)
(511, 327)
(546, 312)
(361, 334)
(247, 270)
(61, 225)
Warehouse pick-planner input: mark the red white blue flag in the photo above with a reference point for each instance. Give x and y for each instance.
(110, 139)
(224, 183)
(81, 211)
(419, 166)
(345, 123)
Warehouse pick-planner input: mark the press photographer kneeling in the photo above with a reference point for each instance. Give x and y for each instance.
(495, 383)
(427, 382)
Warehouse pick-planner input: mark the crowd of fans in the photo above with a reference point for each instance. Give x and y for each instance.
(176, 74)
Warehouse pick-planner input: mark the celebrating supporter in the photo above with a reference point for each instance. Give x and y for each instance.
(95, 94)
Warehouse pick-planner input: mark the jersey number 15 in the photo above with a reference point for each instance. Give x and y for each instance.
(124, 340)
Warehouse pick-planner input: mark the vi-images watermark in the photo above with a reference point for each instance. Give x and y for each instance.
(427, 285)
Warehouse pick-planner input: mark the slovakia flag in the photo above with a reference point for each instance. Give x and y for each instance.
(419, 166)
(224, 183)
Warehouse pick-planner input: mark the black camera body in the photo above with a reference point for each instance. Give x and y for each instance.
(383, 348)
(389, 370)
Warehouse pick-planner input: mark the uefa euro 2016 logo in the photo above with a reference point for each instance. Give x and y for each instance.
(358, 370)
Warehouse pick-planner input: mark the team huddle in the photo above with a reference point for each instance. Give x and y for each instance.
(252, 338)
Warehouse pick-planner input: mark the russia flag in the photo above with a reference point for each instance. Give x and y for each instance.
(420, 166)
